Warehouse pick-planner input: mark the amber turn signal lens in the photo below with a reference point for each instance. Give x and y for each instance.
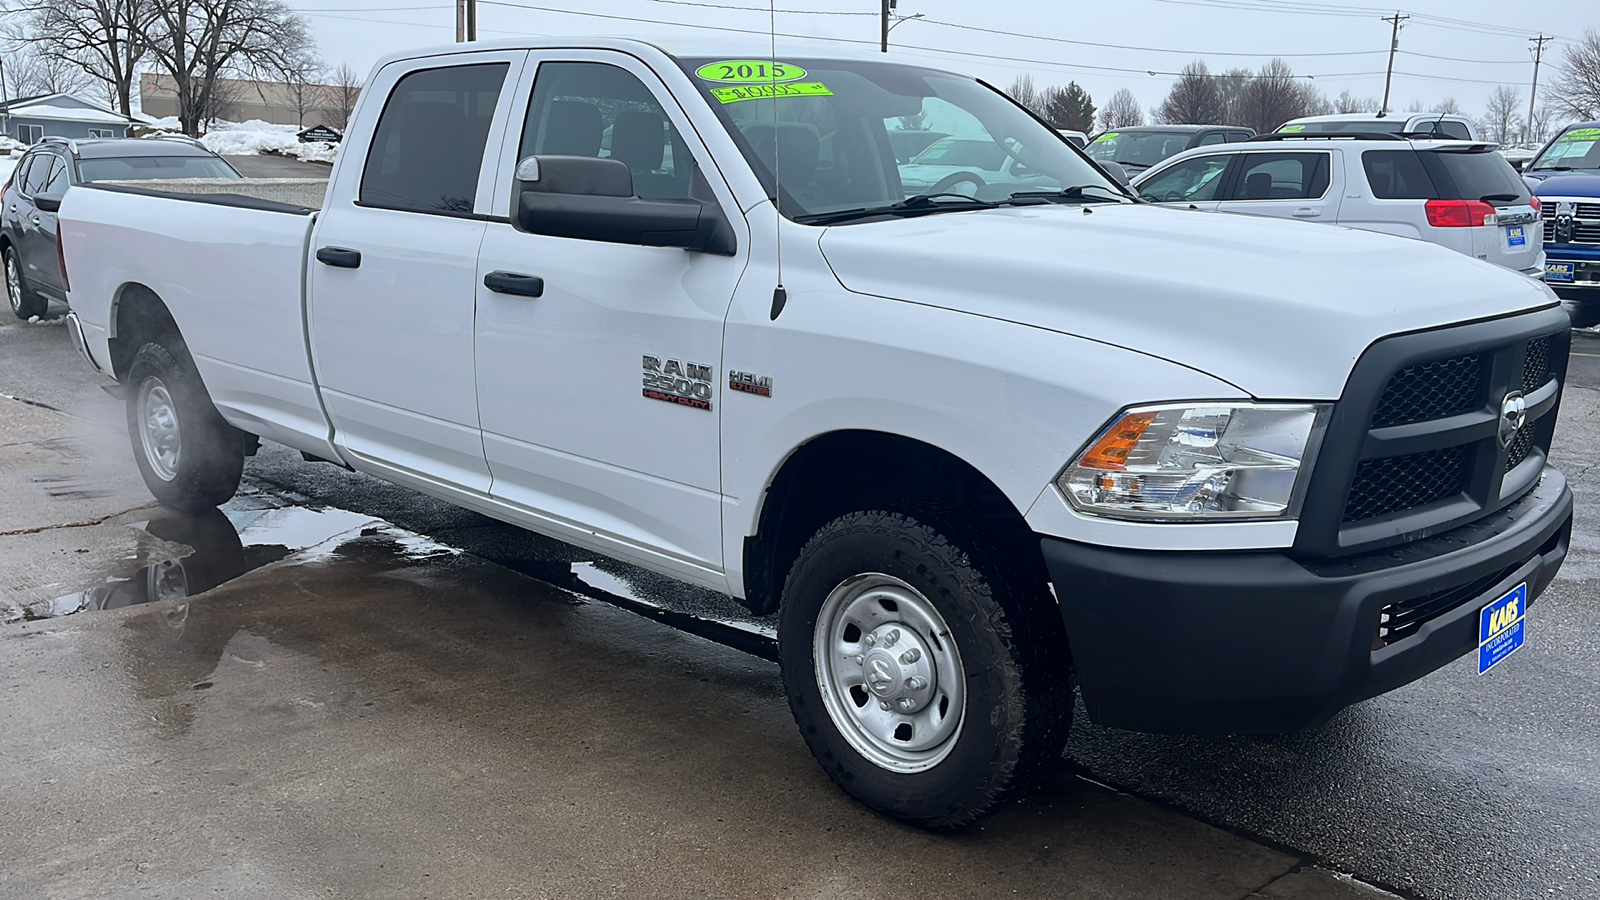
(1111, 451)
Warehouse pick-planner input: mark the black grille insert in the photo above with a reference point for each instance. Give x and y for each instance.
(1405, 618)
(1396, 483)
(1521, 445)
(1431, 391)
(1536, 368)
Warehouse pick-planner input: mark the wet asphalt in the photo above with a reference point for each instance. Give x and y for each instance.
(1454, 787)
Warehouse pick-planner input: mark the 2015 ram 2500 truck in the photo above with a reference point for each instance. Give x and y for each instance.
(1224, 474)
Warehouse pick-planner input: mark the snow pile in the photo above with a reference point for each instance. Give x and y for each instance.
(255, 136)
(7, 165)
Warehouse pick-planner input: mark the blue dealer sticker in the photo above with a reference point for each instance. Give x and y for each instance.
(1516, 237)
(1501, 628)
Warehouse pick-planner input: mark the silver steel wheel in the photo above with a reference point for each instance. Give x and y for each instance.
(889, 673)
(13, 283)
(158, 428)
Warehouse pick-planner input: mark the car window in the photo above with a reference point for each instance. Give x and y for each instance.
(145, 168)
(603, 111)
(1139, 148)
(1281, 176)
(1397, 175)
(1455, 130)
(985, 155)
(1215, 137)
(1366, 126)
(1576, 148)
(38, 173)
(1189, 181)
(57, 182)
(1467, 175)
(428, 147)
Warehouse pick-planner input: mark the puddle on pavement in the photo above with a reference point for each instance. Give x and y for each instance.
(179, 556)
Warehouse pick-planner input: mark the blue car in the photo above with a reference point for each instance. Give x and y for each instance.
(1565, 176)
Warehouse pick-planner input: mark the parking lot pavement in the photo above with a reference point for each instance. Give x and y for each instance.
(267, 165)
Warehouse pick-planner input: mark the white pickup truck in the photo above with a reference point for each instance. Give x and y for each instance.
(673, 305)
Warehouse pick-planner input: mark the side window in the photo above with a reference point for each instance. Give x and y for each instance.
(1190, 181)
(1282, 176)
(56, 184)
(1215, 137)
(600, 110)
(1397, 175)
(1456, 130)
(38, 174)
(429, 144)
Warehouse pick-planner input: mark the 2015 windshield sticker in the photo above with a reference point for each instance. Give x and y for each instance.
(1291, 129)
(1581, 134)
(749, 71)
(771, 91)
(1108, 136)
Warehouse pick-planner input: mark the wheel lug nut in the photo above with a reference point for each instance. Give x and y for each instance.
(883, 704)
(892, 638)
(870, 640)
(911, 656)
(859, 660)
(907, 704)
(916, 683)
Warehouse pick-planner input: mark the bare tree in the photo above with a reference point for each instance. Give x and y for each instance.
(1545, 119)
(1417, 106)
(1122, 111)
(198, 42)
(1447, 107)
(1272, 98)
(1313, 102)
(1194, 99)
(1576, 90)
(32, 73)
(340, 96)
(1350, 103)
(302, 81)
(1230, 87)
(1504, 114)
(1029, 96)
(104, 39)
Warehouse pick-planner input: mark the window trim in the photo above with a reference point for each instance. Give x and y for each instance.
(37, 129)
(1238, 173)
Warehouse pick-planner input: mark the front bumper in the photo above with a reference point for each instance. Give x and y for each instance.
(1217, 643)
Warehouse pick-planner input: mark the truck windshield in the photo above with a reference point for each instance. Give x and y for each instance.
(818, 133)
(146, 168)
(1141, 149)
(1576, 148)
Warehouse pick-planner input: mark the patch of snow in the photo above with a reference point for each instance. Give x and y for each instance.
(7, 165)
(255, 136)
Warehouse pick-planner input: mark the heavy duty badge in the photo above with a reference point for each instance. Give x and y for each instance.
(686, 384)
(746, 383)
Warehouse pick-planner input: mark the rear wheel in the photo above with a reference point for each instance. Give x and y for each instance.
(917, 661)
(25, 304)
(191, 459)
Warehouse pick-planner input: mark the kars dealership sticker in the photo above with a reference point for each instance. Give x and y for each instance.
(771, 91)
(749, 71)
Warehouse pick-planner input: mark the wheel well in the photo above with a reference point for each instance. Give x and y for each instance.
(140, 317)
(845, 471)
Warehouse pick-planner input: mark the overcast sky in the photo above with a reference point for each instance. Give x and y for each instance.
(1342, 45)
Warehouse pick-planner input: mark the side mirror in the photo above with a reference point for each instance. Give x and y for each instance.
(48, 202)
(592, 199)
(1116, 171)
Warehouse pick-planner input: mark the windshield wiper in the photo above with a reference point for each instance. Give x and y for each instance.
(913, 205)
(1076, 192)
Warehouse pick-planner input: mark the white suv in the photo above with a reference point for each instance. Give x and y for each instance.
(1457, 194)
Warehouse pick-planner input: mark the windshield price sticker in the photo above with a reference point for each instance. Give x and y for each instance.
(1291, 129)
(1108, 136)
(749, 71)
(1580, 134)
(771, 91)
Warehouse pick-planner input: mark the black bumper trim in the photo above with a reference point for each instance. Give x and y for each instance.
(1218, 643)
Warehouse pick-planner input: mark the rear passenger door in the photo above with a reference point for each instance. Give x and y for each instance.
(1301, 184)
(392, 282)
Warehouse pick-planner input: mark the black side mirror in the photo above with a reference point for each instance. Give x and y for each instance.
(48, 202)
(592, 199)
(1116, 171)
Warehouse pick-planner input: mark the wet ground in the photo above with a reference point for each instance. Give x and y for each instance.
(267, 165)
(374, 710)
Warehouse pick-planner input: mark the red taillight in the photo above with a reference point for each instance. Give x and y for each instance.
(61, 257)
(1538, 208)
(1458, 213)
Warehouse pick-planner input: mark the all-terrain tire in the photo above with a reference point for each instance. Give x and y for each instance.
(25, 303)
(1015, 673)
(191, 459)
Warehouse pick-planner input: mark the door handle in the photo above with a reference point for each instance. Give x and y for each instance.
(1306, 212)
(339, 257)
(512, 283)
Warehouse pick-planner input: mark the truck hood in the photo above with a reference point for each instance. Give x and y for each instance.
(1567, 184)
(1278, 309)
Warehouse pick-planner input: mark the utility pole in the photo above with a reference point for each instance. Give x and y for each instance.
(1394, 45)
(466, 20)
(1533, 95)
(888, 9)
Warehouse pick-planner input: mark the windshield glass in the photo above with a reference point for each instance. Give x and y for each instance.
(1139, 148)
(1577, 148)
(827, 126)
(1363, 126)
(147, 168)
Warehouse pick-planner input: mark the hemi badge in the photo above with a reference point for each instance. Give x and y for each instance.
(746, 383)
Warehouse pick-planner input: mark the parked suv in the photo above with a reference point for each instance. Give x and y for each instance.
(1457, 194)
(30, 199)
(1435, 125)
(1141, 147)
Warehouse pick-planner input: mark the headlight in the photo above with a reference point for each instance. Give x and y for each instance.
(1194, 461)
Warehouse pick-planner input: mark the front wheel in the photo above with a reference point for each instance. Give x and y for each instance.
(191, 459)
(918, 664)
(25, 304)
